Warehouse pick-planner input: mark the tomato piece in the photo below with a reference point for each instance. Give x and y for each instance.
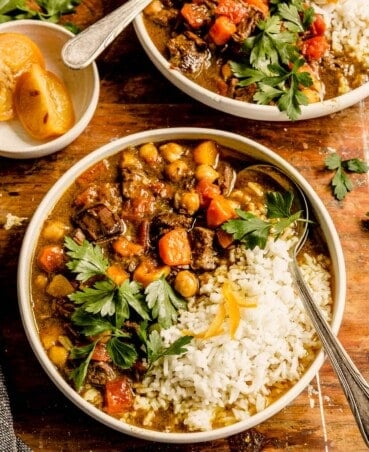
(234, 10)
(219, 211)
(314, 48)
(318, 26)
(207, 191)
(51, 258)
(118, 396)
(100, 353)
(43, 104)
(174, 247)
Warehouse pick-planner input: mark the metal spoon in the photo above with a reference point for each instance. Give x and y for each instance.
(354, 386)
(85, 47)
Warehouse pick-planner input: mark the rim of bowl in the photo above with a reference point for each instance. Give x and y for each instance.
(51, 146)
(235, 107)
(242, 145)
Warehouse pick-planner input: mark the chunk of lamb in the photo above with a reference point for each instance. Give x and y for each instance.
(204, 256)
(227, 177)
(99, 222)
(188, 52)
(99, 373)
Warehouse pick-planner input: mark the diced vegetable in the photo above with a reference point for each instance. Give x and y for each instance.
(207, 191)
(51, 258)
(318, 27)
(314, 48)
(100, 353)
(59, 286)
(127, 248)
(118, 396)
(117, 274)
(97, 171)
(58, 355)
(174, 247)
(222, 30)
(219, 211)
(206, 153)
(195, 15)
(148, 271)
(236, 11)
(224, 238)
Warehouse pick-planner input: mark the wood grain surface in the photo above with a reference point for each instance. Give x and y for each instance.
(135, 97)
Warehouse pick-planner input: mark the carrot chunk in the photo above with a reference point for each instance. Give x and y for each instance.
(51, 258)
(174, 247)
(219, 211)
(222, 30)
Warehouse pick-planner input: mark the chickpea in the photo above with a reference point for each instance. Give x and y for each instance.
(54, 231)
(206, 172)
(130, 159)
(41, 281)
(149, 153)
(153, 8)
(186, 283)
(171, 152)
(177, 170)
(189, 201)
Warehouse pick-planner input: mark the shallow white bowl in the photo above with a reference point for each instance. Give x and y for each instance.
(83, 86)
(237, 107)
(244, 146)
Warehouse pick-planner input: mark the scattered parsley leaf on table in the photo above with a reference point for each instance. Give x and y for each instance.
(341, 182)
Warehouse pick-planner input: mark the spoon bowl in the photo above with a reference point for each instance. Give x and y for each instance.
(353, 384)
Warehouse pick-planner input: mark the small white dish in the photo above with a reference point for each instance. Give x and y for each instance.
(241, 145)
(237, 107)
(83, 86)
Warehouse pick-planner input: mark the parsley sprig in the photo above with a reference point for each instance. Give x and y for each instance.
(273, 60)
(253, 231)
(126, 312)
(341, 182)
(49, 10)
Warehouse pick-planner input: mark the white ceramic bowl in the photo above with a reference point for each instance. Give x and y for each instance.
(83, 86)
(242, 145)
(236, 107)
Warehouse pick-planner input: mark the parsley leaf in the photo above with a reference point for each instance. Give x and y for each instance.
(87, 261)
(163, 302)
(106, 307)
(48, 10)
(78, 374)
(273, 61)
(341, 183)
(253, 231)
(156, 348)
(249, 229)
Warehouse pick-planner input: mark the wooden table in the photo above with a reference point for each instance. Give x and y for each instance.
(135, 97)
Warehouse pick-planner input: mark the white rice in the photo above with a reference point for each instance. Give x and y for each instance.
(231, 379)
(348, 27)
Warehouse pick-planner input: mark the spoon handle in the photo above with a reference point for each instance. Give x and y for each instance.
(354, 386)
(85, 47)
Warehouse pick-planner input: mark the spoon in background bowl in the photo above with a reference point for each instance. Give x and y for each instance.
(353, 384)
(85, 47)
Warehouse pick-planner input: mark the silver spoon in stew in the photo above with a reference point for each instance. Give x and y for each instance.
(354, 385)
(85, 47)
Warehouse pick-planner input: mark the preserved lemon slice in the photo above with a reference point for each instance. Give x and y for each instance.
(43, 104)
(17, 54)
(7, 86)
